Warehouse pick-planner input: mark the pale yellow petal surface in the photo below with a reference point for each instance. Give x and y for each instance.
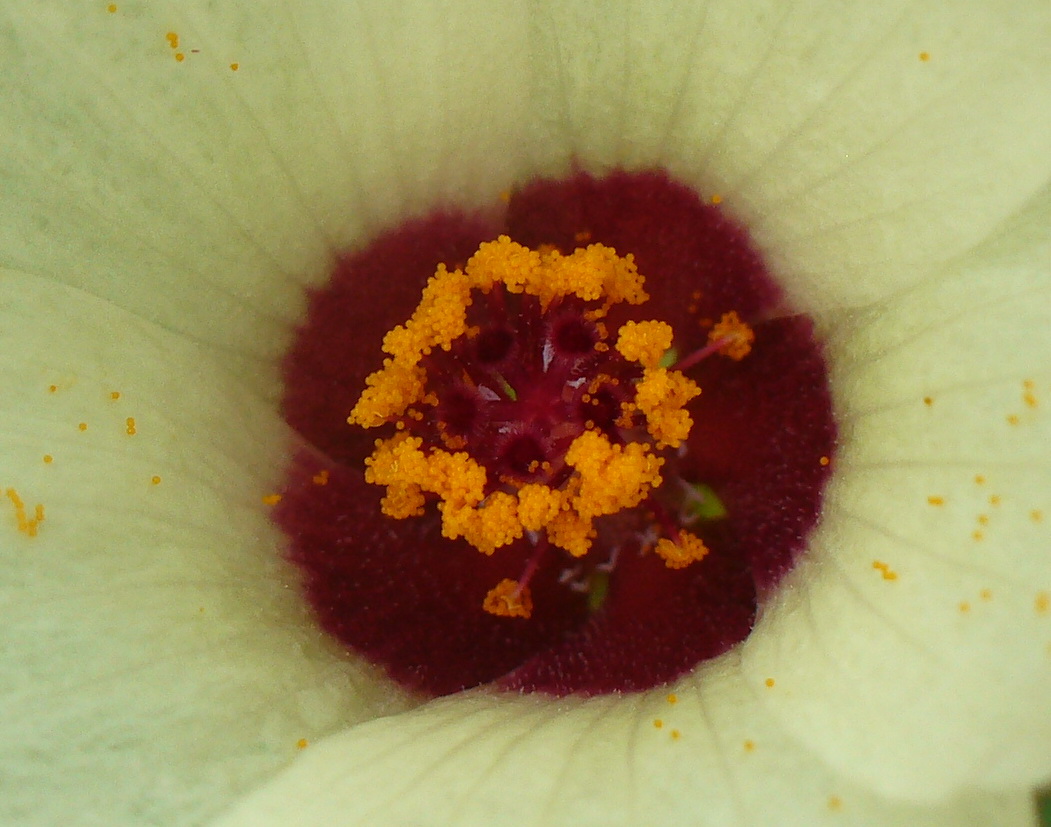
(703, 754)
(913, 649)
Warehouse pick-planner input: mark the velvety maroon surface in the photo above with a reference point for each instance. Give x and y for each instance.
(406, 598)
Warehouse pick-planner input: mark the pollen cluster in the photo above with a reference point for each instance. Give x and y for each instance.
(521, 414)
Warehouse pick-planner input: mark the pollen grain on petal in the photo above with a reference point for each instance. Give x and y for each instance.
(885, 570)
(934, 499)
(1042, 603)
(749, 745)
(28, 524)
(835, 803)
(271, 499)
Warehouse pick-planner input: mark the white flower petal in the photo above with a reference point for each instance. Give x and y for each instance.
(716, 759)
(156, 662)
(857, 166)
(940, 677)
(205, 198)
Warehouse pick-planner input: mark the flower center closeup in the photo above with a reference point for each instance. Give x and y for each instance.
(566, 447)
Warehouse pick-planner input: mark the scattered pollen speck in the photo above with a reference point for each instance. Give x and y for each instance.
(1042, 603)
(155, 480)
(321, 477)
(965, 607)
(749, 745)
(1013, 419)
(173, 39)
(934, 500)
(130, 425)
(114, 394)
(769, 683)
(675, 735)
(824, 461)
(179, 57)
(52, 388)
(582, 237)
(272, 499)
(26, 524)
(717, 199)
(1036, 515)
(234, 67)
(302, 743)
(977, 535)
(994, 499)
(885, 570)
(111, 8)
(925, 56)
(983, 519)
(48, 459)
(673, 698)
(83, 426)
(505, 196)
(979, 479)
(928, 401)
(986, 594)
(835, 802)
(658, 723)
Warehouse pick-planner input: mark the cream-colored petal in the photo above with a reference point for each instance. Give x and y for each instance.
(204, 198)
(913, 648)
(715, 759)
(156, 657)
(858, 166)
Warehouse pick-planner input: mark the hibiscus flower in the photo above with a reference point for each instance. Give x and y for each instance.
(175, 178)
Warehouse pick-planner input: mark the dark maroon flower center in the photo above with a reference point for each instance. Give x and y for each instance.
(515, 393)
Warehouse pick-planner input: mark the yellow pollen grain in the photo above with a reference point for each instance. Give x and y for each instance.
(885, 570)
(173, 39)
(234, 67)
(925, 56)
(717, 199)
(155, 480)
(673, 698)
(977, 535)
(302, 743)
(824, 461)
(83, 426)
(658, 723)
(1036, 515)
(130, 425)
(749, 746)
(965, 607)
(737, 336)
(1029, 398)
(114, 395)
(321, 477)
(26, 524)
(111, 8)
(986, 594)
(52, 388)
(508, 599)
(1042, 603)
(979, 479)
(928, 401)
(48, 459)
(675, 735)
(1013, 419)
(769, 683)
(835, 802)
(179, 57)
(271, 499)
(983, 519)
(935, 500)
(994, 499)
